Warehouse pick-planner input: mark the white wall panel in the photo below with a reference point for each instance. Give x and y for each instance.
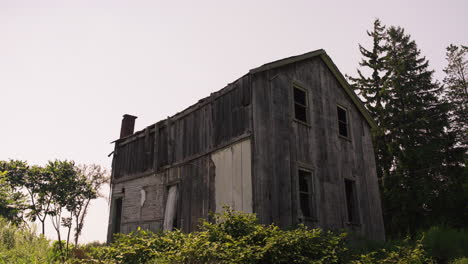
(233, 180)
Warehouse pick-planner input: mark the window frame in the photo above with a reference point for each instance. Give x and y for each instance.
(311, 193)
(348, 130)
(117, 214)
(354, 217)
(177, 223)
(295, 85)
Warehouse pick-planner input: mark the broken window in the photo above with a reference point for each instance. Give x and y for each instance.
(300, 104)
(351, 201)
(170, 214)
(306, 193)
(342, 121)
(117, 215)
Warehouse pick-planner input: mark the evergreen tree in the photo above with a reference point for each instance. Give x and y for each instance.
(456, 85)
(416, 123)
(456, 94)
(415, 154)
(371, 89)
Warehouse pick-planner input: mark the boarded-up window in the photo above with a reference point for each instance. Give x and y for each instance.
(351, 201)
(300, 104)
(342, 121)
(306, 194)
(170, 214)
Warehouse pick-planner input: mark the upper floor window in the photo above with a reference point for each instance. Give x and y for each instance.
(343, 127)
(300, 104)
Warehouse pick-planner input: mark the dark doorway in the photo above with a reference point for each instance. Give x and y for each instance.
(117, 215)
(351, 201)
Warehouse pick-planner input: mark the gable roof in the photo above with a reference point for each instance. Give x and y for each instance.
(275, 64)
(332, 67)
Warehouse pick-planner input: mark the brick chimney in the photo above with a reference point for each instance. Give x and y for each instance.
(128, 125)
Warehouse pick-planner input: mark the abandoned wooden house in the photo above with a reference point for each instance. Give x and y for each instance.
(288, 141)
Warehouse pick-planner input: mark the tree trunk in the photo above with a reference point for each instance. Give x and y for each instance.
(43, 227)
(68, 240)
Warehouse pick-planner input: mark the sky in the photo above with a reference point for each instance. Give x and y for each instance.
(69, 69)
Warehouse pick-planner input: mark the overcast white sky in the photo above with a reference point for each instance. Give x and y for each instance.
(69, 70)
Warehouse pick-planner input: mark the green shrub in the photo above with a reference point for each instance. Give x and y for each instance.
(405, 254)
(460, 261)
(235, 238)
(60, 253)
(446, 244)
(21, 245)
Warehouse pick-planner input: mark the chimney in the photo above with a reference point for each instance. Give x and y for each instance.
(128, 125)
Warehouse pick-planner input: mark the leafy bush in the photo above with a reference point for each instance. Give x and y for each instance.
(60, 253)
(237, 238)
(21, 245)
(407, 254)
(460, 261)
(446, 244)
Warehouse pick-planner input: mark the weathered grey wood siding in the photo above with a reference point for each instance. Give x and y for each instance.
(282, 145)
(178, 151)
(233, 177)
(201, 128)
(258, 107)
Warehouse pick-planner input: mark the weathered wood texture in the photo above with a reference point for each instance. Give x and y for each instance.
(191, 149)
(135, 156)
(178, 151)
(201, 128)
(282, 145)
(233, 177)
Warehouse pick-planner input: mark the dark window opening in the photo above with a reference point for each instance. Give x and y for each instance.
(351, 201)
(342, 121)
(117, 215)
(300, 104)
(306, 193)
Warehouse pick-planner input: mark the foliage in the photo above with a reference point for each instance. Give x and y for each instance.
(419, 164)
(21, 245)
(56, 253)
(12, 202)
(236, 237)
(400, 255)
(64, 186)
(91, 178)
(57, 188)
(445, 244)
(460, 261)
(456, 87)
(372, 90)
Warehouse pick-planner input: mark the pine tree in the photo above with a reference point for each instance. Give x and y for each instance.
(415, 153)
(456, 85)
(416, 129)
(371, 89)
(455, 203)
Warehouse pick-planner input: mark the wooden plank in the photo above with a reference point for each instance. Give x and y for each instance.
(246, 177)
(262, 169)
(236, 176)
(156, 148)
(281, 123)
